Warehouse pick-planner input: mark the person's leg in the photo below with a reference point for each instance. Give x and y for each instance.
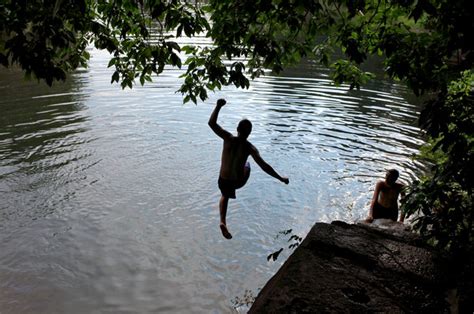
(246, 172)
(381, 212)
(393, 214)
(224, 201)
(377, 212)
(245, 177)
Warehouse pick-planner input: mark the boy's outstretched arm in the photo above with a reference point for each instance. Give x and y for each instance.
(266, 167)
(213, 121)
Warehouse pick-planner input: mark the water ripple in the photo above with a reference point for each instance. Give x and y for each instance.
(109, 199)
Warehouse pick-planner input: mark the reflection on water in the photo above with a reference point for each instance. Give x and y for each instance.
(40, 130)
(109, 198)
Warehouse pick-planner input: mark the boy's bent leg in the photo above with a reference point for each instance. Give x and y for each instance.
(246, 175)
(224, 201)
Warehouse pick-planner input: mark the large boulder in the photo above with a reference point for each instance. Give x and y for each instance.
(358, 268)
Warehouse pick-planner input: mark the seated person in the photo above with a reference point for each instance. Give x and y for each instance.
(385, 200)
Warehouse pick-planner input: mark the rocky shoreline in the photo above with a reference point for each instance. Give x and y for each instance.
(342, 267)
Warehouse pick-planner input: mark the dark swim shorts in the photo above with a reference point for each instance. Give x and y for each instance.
(382, 212)
(228, 187)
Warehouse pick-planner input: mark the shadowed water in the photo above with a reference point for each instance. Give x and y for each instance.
(109, 198)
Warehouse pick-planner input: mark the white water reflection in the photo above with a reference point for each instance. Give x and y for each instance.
(109, 198)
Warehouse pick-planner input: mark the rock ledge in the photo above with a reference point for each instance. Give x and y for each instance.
(357, 268)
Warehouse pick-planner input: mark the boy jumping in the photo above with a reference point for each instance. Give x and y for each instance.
(235, 169)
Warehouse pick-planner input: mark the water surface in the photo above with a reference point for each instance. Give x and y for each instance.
(109, 198)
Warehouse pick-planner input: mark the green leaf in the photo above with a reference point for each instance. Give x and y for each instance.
(115, 77)
(111, 62)
(175, 60)
(203, 94)
(274, 255)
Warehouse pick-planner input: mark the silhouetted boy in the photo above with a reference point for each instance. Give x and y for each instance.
(235, 170)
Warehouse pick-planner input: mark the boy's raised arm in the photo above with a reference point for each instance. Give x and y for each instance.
(213, 120)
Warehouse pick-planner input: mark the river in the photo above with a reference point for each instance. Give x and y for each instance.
(109, 198)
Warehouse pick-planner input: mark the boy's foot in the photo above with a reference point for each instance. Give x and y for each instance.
(225, 232)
